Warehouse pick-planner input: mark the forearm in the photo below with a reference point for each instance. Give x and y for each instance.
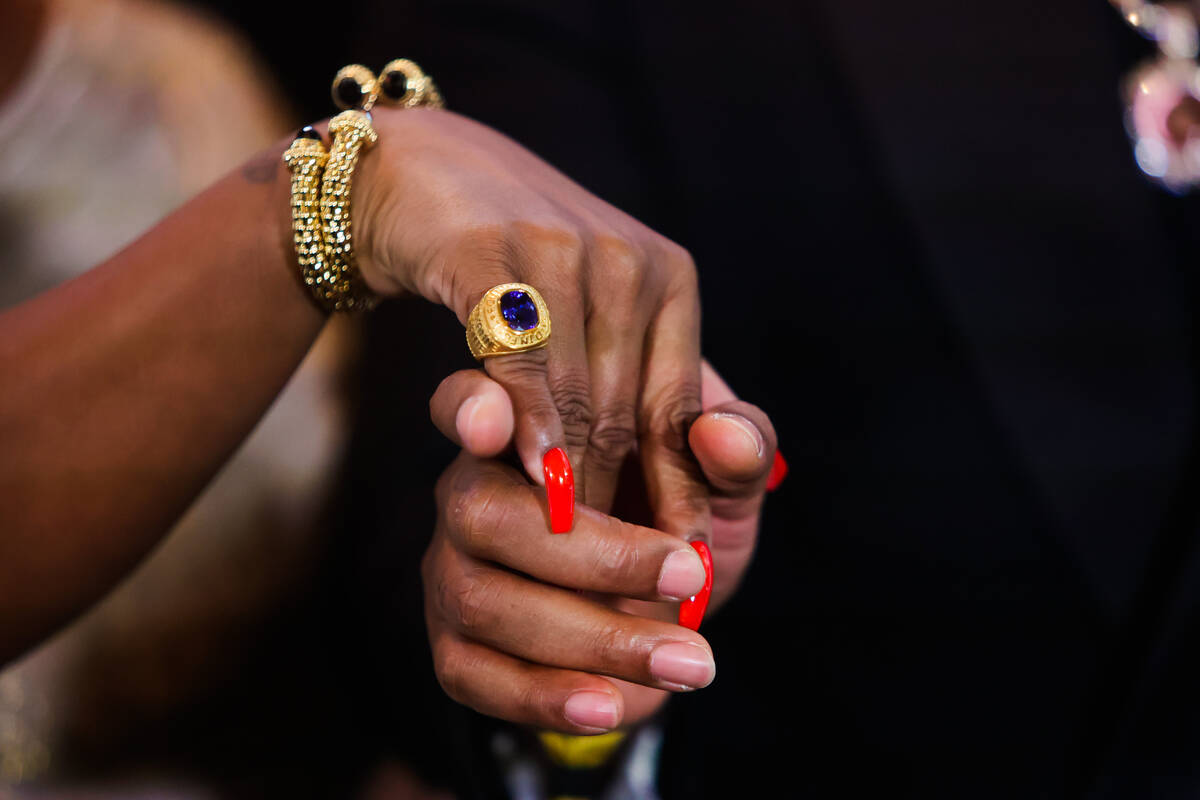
(126, 389)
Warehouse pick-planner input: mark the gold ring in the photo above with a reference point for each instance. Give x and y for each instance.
(511, 318)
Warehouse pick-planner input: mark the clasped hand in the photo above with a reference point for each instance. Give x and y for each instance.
(572, 632)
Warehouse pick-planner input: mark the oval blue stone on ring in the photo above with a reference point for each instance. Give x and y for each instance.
(519, 310)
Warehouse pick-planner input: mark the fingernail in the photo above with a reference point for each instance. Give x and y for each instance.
(591, 710)
(753, 434)
(779, 470)
(682, 575)
(560, 489)
(462, 420)
(691, 611)
(683, 664)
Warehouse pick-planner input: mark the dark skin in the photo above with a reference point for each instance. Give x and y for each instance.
(509, 640)
(118, 401)
(128, 387)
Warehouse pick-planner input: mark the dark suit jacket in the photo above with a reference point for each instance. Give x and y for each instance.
(927, 253)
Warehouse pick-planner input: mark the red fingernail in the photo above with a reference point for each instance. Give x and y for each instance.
(691, 611)
(560, 489)
(778, 472)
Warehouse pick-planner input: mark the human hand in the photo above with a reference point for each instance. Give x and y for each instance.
(447, 208)
(508, 641)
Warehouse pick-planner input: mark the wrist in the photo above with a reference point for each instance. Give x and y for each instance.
(338, 203)
(381, 273)
(273, 245)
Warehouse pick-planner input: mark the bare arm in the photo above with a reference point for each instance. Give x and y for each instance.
(124, 391)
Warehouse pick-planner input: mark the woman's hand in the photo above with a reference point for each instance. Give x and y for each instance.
(447, 208)
(511, 635)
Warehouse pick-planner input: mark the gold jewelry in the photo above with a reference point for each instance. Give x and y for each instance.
(510, 318)
(334, 283)
(351, 132)
(354, 87)
(401, 83)
(306, 159)
(322, 179)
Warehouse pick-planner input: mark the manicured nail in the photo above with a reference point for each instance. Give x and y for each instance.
(683, 664)
(691, 611)
(682, 575)
(591, 710)
(753, 434)
(779, 471)
(560, 489)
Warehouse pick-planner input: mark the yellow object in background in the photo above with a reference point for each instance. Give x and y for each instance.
(580, 752)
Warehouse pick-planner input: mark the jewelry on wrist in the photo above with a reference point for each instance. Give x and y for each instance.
(306, 158)
(351, 132)
(323, 180)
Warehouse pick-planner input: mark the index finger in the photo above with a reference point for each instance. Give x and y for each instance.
(508, 315)
(670, 403)
(489, 513)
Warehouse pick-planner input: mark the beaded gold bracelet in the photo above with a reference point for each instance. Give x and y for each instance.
(322, 180)
(351, 132)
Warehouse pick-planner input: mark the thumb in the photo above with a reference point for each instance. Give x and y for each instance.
(474, 412)
(734, 443)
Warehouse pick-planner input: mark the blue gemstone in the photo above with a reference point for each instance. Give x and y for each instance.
(519, 310)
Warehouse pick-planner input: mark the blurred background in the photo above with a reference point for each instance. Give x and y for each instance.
(926, 250)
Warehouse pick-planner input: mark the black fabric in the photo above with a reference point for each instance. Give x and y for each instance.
(926, 252)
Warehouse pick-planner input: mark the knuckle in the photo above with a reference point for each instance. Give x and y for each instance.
(670, 416)
(613, 433)
(681, 269)
(687, 284)
(469, 603)
(691, 504)
(622, 261)
(443, 489)
(678, 257)
(479, 256)
(521, 369)
(487, 245)
(610, 647)
(617, 558)
(525, 376)
(451, 673)
(442, 590)
(455, 492)
(476, 514)
(533, 700)
(552, 244)
(571, 393)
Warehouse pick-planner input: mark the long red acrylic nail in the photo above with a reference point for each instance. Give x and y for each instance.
(779, 469)
(691, 611)
(560, 489)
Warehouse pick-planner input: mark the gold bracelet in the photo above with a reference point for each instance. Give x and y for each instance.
(351, 132)
(322, 181)
(306, 159)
